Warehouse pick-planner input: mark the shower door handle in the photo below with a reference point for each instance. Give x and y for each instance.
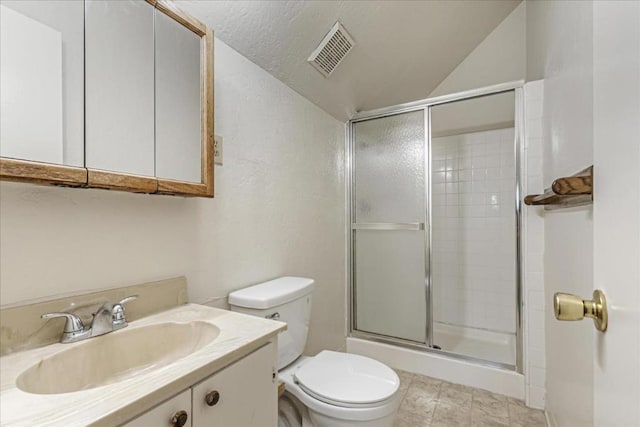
(417, 226)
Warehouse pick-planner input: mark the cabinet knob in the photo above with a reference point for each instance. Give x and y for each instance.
(212, 398)
(179, 419)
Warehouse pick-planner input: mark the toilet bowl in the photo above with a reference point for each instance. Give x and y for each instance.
(337, 396)
(290, 411)
(331, 389)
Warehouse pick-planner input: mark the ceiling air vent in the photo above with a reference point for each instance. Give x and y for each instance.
(333, 48)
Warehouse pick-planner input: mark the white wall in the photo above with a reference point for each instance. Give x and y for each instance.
(560, 49)
(499, 58)
(279, 209)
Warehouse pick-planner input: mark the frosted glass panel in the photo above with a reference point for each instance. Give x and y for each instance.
(389, 169)
(390, 293)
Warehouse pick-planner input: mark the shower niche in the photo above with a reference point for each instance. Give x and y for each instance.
(434, 250)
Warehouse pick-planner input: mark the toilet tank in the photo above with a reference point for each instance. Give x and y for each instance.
(287, 299)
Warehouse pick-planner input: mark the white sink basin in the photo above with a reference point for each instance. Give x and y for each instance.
(115, 357)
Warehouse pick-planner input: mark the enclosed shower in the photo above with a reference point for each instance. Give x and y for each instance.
(434, 235)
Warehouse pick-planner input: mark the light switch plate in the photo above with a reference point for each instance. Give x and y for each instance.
(217, 149)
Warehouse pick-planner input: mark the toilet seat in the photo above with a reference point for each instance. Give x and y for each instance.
(347, 380)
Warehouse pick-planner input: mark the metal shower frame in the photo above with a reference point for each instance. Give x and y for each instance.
(517, 87)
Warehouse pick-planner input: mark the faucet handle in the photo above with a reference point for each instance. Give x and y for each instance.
(128, 299)
(72, 325)
(119, 320)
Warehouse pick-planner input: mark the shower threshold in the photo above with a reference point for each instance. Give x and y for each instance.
(499, 347)
(444, 365)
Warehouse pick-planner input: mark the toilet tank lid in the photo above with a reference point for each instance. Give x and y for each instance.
(272, 293)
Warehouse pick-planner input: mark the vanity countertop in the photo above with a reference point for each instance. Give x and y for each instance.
(119, 402)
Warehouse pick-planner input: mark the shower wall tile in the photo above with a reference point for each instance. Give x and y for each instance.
(536, 301)
(535, 278)
(533, 249)
(534, 335)
(536, 358)
(536, 376)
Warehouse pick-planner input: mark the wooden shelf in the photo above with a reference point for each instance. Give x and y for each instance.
(575, 190)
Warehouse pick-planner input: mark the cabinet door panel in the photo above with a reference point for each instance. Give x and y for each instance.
(178, 108)
(42, 81)
(248, 395)
(161, 415)
(120, 86)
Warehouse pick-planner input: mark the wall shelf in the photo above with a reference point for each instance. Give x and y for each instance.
(575, 190)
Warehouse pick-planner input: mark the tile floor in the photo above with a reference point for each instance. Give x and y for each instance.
(430, 402)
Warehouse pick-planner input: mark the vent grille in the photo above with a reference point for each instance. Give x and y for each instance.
(331, 50)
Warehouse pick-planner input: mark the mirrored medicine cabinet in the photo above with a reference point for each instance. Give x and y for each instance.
(106, 94)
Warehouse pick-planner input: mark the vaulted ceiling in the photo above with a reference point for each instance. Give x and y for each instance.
(404, 49)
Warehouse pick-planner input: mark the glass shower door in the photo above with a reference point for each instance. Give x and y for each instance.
(388, 226)
(474, 253)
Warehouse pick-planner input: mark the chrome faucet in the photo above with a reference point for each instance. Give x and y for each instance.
(108, 318)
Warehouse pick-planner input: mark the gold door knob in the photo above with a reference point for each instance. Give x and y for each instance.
(572, 307)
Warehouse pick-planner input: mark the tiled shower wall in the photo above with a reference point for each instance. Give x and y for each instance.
(533, 249)
(473, 223)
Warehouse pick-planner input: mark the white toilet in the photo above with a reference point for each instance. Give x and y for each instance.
(330, 389)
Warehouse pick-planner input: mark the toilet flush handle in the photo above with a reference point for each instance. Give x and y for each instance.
(273, 316)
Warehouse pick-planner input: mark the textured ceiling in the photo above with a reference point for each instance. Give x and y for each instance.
(404, 49)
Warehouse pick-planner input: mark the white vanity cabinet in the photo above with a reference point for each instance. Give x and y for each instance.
(244, 394)
(247, 393)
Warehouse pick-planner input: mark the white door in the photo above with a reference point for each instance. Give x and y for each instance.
(616, 216)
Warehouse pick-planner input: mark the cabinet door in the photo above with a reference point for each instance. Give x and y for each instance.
(41, 81)
(184, 103)
(247, 392)
(42, 92)
(162, 414)
(178, 109)
(120, 86)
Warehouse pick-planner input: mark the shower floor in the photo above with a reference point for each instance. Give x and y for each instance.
(481, 344)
